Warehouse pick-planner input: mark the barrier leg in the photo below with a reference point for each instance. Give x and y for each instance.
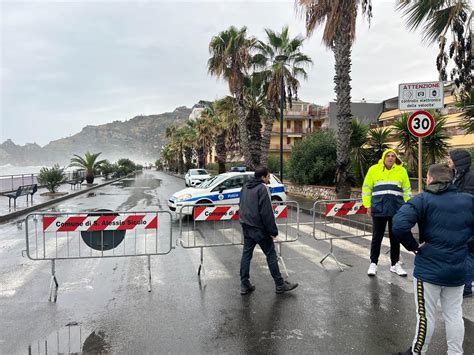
(149, 273)
(201, 265)
(280, 259)
(53, 293)
(331, 254)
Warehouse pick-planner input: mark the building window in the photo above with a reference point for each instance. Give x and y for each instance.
(288, 140)
(298, 126)
(288, 124)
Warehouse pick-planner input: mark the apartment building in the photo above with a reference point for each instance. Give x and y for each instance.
(301, 119)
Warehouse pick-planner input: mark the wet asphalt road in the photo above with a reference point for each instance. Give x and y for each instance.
(103, 304)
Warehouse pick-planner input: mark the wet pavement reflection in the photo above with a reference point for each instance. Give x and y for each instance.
(71, 339)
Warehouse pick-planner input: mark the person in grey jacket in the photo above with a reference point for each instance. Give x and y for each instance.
(460, 161)
(259, 227)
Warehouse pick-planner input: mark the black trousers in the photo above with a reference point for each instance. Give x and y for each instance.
(378, 230)
(252, 237)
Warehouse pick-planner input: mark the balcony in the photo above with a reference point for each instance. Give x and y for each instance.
(286, 131)
(276, 147)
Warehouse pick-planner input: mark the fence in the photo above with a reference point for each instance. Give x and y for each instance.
(13, 182)
(99, 234)
(339, 219)
(207, 226)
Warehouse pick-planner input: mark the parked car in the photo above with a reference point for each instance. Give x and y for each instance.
(221, 189)
(195, 177)
(239, 169)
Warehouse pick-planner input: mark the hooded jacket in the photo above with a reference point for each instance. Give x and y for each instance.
(256, 207)
(445, 219)
(464, 176)
(384, 190)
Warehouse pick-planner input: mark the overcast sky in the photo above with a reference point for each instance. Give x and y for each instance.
(67, 64)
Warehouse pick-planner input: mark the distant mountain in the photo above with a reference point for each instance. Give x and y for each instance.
(139, 139)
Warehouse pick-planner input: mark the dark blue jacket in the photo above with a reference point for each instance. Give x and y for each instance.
(445, 220)
(256, 207)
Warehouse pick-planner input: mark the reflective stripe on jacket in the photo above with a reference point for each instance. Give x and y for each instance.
(385, 191)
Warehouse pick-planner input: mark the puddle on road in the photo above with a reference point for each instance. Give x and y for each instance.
(72, 339)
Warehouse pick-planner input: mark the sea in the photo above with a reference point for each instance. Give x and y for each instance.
(9, 169)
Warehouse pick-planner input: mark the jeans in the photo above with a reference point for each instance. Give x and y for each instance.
(252, 237)
(469, 272)
(378, 231)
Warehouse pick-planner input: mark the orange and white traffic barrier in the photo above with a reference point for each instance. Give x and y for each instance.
(99, 223)
(230, 212)
(339, 219)
(345, 209)
(98, 234)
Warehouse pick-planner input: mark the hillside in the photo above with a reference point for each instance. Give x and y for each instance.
(139, 139)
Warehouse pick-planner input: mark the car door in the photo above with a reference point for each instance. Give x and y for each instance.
(229, 190)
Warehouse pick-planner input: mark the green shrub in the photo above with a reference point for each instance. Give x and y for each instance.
(51, 177)
(313, 160)
(106, 168)
(274, 165)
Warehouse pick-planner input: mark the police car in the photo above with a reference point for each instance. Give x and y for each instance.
(221, 189)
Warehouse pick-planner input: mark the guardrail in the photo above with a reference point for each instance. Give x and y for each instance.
(12, 182)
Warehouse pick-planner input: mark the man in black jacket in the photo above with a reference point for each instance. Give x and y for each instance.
(460, 161)
(259, 227)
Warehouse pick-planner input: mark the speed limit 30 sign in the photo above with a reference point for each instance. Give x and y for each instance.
(421, 124)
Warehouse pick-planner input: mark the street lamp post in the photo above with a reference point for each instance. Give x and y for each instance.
(282, 87)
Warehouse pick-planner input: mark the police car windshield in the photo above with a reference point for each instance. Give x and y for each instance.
(212, 182)
(198, 172)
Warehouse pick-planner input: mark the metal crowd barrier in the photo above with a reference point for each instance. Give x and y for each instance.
(99, 234)
(339, 219)
(208, 225)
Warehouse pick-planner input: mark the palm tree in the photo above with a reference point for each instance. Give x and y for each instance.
(468, 117)
(358, 140)
(205, 131)
(255, 101)
(378, 138)
(339, 17)
(437, 17)
(230, 54)
(89, 163)
(408, 142)
(435, 146)
(281, 60)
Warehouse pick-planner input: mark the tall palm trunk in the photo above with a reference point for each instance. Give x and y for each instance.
(267, 134)
(342, 56)
(254, 127)
(181, 160)
(188, 155)
(221, 151)
(243, 131)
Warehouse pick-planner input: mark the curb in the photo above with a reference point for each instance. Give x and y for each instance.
(16, 214)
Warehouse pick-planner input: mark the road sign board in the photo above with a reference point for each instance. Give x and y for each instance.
(421, 124)
(419, 96)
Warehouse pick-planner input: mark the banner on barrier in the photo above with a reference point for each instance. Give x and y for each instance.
(227, 213)
(99, 223)
(345, 209)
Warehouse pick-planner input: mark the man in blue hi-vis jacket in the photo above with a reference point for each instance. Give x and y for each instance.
(445, 219)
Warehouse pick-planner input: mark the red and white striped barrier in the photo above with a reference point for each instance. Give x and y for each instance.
(99, 223)
(228, 213)
(345, 209)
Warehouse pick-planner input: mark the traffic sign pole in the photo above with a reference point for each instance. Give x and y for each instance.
(420, 124)
(420, 158)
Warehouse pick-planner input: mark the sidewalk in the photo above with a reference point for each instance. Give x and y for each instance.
(24, 205)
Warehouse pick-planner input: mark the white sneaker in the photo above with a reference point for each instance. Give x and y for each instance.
(397, 268)
(372, 269)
